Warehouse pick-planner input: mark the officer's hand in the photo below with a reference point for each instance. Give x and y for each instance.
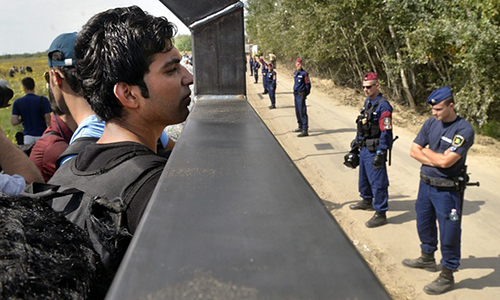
(380, 158)
(354, 146)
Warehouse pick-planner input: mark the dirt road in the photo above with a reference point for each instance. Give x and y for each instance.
(319, 157)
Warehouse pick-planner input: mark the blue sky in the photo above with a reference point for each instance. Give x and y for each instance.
(28, 26)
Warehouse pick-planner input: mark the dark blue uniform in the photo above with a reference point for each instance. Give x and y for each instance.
(376, 134)
(251, 65)
(256, 67)
(271, 87)
(437, 202)
(301, 89)
(264, 77)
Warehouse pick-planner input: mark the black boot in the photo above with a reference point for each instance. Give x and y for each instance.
(365, 204)
(303, 133)
(378, 219)
(426, 261)
(442, 284)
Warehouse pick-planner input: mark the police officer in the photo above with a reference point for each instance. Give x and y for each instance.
(264, 75)
(374, 139)
(271, 85)
(441, 146)
(256, 67)
(250, 62)
(301, 88)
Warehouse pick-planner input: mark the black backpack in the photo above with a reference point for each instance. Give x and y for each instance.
(44, 256)
(97, 203)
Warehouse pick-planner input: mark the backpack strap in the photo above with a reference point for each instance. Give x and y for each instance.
(133, 170)
(75, 148)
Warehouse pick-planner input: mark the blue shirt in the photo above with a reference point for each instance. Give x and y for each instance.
(301, 81)
(271, 78)
(12, 185)
(32, 109)
(458, 136)
(264, 69)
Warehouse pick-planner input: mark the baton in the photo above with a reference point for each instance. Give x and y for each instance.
(390, 150)
(464, 182)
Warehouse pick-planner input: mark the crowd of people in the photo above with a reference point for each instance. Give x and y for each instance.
(441, 147)
(111, 101)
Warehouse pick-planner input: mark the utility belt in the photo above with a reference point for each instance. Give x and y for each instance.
(370, 144)
(440, 183)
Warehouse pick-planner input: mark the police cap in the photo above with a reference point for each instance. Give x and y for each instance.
(439, 95)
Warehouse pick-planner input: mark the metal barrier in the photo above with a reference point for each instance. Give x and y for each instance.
(232, 217)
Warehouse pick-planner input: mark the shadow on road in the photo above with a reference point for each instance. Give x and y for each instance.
(490, 280)
(397, 204)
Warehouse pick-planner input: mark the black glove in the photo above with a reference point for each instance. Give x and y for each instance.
(380, 158)
(354, 146)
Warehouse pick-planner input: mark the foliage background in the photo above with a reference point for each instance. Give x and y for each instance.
(414, 46)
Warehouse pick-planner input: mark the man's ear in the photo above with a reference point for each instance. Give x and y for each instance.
(57, 77)
(127, 94)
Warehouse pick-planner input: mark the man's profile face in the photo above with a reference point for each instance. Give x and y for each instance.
(168, 85)
(55, 94)
(443, 110)
(298, 65)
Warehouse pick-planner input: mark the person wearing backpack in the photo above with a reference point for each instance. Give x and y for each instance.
(138, 89)
(32, 111)
(53, 142)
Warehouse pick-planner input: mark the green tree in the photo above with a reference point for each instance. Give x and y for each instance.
(414, 46)
(183, 42)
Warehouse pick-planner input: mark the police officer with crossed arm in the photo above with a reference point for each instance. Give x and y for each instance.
(301, 88)
(441, 146)
(373, 139)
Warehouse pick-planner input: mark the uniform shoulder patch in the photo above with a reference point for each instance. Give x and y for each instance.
(385, 121)
(458, 140)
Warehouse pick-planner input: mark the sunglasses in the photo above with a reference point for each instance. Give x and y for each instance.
(367, 87)
(46, 75)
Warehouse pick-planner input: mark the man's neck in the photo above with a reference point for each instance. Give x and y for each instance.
(79, 108)
(374, 96)
(451, 118)
(115, 132)
(69, 121)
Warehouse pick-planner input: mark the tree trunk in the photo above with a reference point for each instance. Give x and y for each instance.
(391, 83)
(365, 45)
(401, 69)
(412, 73)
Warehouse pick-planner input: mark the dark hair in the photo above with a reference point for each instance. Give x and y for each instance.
(68, 72)
(45, 256)
(115, 46)
(28, 83)
(448, 101)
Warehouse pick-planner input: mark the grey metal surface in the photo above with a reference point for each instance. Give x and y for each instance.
(219, 55)
(233, 218)
(190, 11)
